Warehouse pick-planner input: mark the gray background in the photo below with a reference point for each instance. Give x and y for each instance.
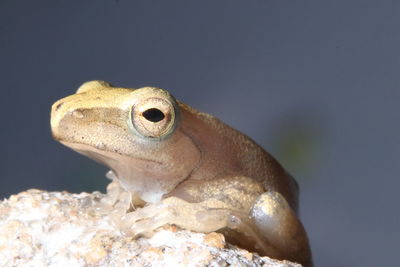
(314, 82)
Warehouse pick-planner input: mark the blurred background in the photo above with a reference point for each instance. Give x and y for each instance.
(314, 82)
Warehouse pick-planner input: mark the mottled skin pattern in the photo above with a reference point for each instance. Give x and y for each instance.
(184, 167)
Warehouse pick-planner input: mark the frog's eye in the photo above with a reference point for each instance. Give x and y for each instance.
(153, 117)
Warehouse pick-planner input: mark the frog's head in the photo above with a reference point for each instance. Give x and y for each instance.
(135, 132)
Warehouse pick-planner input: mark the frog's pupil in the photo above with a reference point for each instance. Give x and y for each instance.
(153, 115)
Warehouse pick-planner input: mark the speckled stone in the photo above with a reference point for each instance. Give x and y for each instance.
(39, 228)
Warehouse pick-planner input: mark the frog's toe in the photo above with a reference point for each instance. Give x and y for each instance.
(147, 225)
(145, 220)
(145, 214)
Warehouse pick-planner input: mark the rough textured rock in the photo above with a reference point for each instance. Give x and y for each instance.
(39, 228)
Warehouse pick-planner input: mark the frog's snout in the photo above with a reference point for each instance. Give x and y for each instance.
(55, 118)
(60, 110)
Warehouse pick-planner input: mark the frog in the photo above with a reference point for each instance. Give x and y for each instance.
(175, 165)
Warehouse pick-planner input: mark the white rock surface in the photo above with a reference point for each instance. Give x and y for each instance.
(39, 228)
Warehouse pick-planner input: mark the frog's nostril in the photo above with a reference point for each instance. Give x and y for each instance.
(153, 115)
(59, 105)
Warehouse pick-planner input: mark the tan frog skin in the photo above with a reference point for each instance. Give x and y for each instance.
(184, 167)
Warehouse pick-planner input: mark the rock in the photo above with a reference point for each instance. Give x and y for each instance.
(39, 228)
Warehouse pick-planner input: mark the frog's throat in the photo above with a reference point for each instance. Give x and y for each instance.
(136, 175)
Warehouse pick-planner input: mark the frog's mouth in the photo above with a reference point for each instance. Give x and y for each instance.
(101, 156)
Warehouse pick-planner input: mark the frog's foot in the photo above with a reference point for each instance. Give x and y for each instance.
(116, 200)
(278, 223)
(198, 217)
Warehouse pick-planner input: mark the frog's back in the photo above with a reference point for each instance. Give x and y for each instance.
(226, 151)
